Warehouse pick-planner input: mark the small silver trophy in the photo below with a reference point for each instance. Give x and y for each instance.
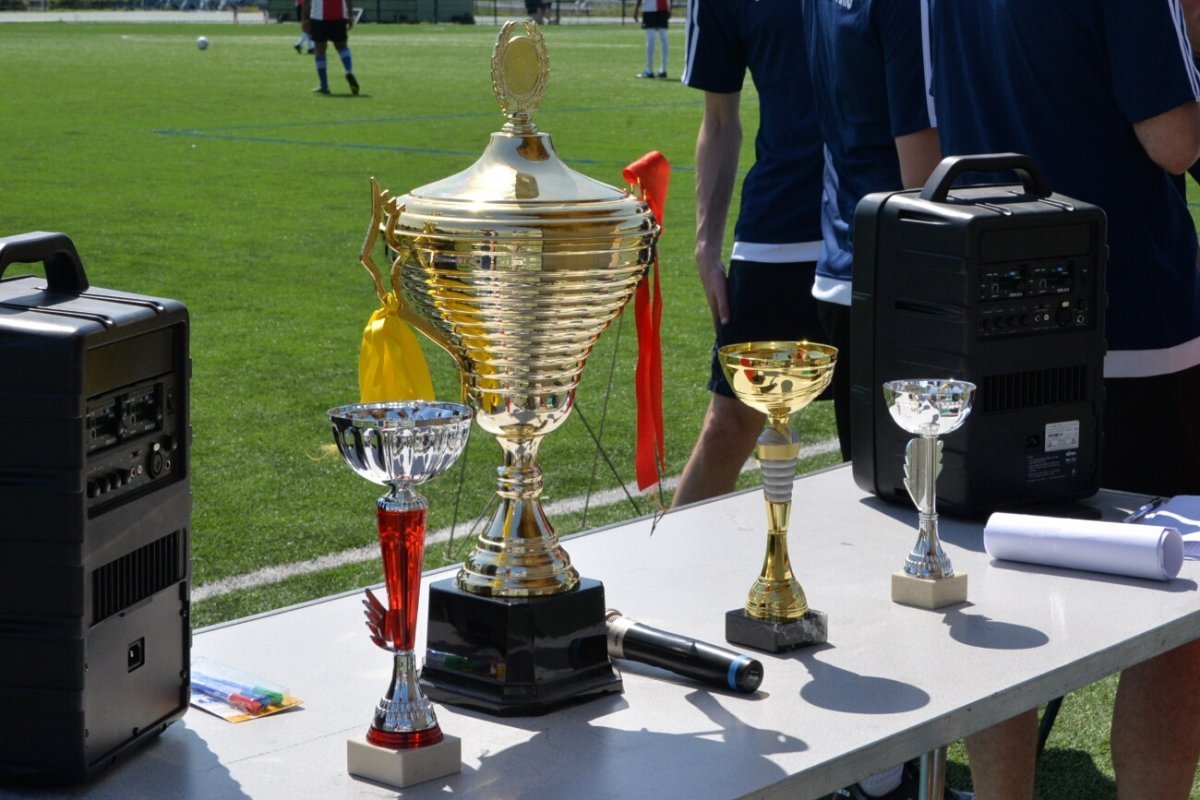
(927, 408)
(401, 445)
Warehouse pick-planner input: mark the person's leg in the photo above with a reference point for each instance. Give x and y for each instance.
(726, 441)
(1003, 758)
(835, 319)
(649, 32)
(1156, 726)
(343, 51)
(322, 68)
(766, 302)
(662, 47)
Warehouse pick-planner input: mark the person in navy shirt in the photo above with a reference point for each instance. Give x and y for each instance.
(1102, 94)
(767, 294)
(868, 60)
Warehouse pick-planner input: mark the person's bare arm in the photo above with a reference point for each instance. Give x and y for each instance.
(1172, 139)
(718, 145)
(919, 153)
(1191, 19)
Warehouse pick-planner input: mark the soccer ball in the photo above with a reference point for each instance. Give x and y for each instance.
(202, 43)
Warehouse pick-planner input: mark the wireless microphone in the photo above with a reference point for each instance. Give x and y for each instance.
(698, 660)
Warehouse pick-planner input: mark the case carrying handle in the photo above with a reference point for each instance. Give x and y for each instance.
(944, 174)
(56, 251)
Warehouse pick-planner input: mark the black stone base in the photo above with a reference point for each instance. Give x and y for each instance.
(775, 637)
(517, 657)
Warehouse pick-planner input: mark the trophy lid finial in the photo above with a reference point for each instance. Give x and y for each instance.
(520, 67)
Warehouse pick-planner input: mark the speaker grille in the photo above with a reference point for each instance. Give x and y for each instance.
(135, 576)
(1042, 387)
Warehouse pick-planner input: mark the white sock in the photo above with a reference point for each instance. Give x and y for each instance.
(662, 41)
(649, 50)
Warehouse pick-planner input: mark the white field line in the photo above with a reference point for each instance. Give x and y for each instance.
(357, 555)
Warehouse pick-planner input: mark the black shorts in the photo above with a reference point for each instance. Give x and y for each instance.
(767, 302)
(1152, 434)
(655, 19)
(328, 30)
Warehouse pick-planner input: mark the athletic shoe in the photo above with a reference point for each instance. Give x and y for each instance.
(662, 74)
(297, 47)
(321, 90)
(645, 74)
(350, 79)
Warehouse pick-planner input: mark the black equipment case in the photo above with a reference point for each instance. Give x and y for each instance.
(96, 503)
(1001, 285)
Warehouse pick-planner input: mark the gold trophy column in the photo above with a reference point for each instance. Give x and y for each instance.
(777, 378)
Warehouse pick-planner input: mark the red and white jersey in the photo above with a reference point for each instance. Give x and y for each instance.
(331, 10)
(656, 5)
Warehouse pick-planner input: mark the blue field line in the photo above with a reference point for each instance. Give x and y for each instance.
(238, 132)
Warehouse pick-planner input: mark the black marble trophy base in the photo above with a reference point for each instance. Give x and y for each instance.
(775, 637)
(517, 657)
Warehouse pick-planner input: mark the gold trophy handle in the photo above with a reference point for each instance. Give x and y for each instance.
(379, 198)
(383, 204)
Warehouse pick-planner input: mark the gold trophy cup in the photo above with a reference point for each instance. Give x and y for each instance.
(514, 267)
(779, 379)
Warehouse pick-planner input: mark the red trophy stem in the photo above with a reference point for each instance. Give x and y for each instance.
(402, 542)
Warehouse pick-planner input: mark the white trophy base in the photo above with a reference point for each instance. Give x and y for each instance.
(400, 768)
(928, 593)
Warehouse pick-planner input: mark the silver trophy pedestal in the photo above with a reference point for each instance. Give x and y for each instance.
(401, 768)
(929, 593)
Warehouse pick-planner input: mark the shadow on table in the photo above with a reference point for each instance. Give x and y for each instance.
(979, 630)
(635, 763)
(1176, 586)
(177, 763)
(839, 689)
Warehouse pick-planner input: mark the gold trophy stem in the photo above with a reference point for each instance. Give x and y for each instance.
(776, 595)
(519, 555)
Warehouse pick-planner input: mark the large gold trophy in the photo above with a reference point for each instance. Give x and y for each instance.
(779, 379)
(515, 266)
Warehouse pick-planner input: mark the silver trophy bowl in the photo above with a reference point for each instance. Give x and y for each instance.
(392, 444)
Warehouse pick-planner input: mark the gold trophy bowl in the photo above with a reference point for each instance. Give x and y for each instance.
(515, 266)
(779, 379)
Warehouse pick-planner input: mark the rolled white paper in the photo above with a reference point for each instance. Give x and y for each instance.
(1138, 551)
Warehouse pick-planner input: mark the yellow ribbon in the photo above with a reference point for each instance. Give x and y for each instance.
(391, 365)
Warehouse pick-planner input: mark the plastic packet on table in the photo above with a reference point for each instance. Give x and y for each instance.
(235, 695)
(1181, 512)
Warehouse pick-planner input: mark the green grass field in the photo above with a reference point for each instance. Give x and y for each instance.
(216, 178)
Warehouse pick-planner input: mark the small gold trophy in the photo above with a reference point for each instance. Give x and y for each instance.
(928, 408)
(515, 266)
(779, 379)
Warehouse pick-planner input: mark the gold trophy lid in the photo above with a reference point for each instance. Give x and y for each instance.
(519, 178)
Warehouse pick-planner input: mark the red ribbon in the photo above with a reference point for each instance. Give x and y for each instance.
(652, 174)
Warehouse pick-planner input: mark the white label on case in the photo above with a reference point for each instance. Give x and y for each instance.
(1062, 436)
